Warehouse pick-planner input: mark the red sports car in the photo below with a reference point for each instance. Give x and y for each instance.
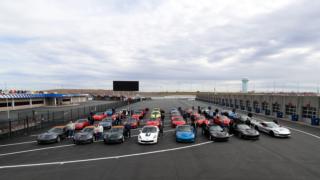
(177, 121)
(200, 120)
(154, 122)
(81, 123)
(222, 121)
(99, 116)
(137, 115)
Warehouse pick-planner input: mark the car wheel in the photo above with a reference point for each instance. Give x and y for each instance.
(58, 139)
(271, 133)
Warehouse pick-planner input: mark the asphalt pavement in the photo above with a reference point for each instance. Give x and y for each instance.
(293, 158)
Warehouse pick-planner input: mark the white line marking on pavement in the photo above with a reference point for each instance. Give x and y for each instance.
(104, 158)
(32, 150)
(13, 144)
(318, 137)
(55, 147)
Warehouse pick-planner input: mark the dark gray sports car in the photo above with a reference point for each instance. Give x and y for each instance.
(55, 134)
(86, 135)
(115, 135)
(246, 132)
(216, 133)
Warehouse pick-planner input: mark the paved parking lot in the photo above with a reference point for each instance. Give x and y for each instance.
(267, 158)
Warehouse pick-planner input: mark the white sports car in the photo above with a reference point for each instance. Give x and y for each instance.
(273, 129)
(148, 135)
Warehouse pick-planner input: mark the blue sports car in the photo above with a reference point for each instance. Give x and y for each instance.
(185, 133)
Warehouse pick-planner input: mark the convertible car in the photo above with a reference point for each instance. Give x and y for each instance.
(81, 123)
(84, 136)
(154, 122)
(177, 121)
(115, 135)
(106, 123)
(99, 116)
(272, 129)
(245, 131)
(185, 133)
(216, 133)
(201, 120)
(55, 134)
(148, 135)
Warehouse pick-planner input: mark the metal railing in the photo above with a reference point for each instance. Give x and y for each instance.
(34, 120)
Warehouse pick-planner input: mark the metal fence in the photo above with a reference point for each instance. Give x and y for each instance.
(34, 120)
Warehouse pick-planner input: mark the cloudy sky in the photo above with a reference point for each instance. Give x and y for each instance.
(167, 45)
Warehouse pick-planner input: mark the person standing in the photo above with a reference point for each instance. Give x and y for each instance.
(100, 131)
(96, 131)
(127, 129)
(70, 129)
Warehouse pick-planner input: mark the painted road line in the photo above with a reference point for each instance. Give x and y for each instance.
(104, 158)
(318, 137)
(32, 150)
(14, 144)
(55, 147)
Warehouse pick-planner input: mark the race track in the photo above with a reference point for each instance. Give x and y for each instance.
(297, 157)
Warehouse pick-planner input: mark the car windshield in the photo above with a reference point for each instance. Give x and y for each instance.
(87, 130)
(149, 130)
(243, 126)
(99, 113)
(113, 130)
(184, 128)
(215, 128)
(56, 130)
(272, 125)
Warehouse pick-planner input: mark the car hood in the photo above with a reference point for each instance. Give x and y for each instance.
(184, 134)
(250, 132)
(147, 135)
(219, 133)
(114, 135)
(282, 130)
(179, 122)
(82, 134)
(48, 135)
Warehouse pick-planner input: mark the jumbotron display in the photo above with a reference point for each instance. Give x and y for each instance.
(125, 85)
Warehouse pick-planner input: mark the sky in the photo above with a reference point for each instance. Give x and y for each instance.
(181, 45)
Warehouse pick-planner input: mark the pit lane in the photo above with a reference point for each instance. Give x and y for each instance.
(267, 158)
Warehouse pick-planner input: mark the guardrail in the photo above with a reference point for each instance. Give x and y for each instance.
(34, 120)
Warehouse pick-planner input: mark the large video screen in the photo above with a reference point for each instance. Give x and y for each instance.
(125, 85)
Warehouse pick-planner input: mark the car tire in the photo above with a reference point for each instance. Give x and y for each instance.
(271, 133)
(58, 139)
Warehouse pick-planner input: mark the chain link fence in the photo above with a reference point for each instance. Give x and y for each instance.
(34, 120)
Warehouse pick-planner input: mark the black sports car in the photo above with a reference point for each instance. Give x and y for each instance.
(114, 135)
(55, 134)
(245, 131)
(86, 135)
(216, 133)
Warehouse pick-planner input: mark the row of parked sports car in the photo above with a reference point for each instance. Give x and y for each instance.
(219, 127)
